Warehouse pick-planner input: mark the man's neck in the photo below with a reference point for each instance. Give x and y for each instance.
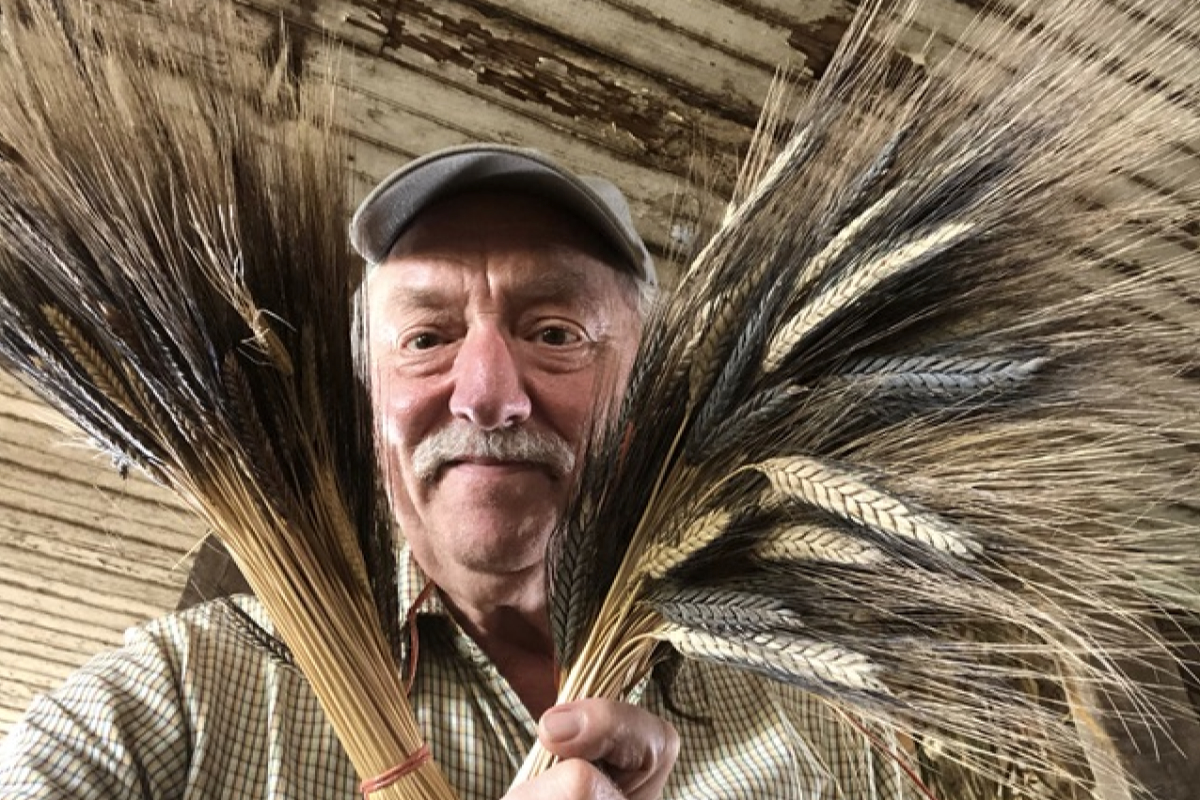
(507, 618)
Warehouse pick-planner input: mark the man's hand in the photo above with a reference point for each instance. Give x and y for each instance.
(608, 751)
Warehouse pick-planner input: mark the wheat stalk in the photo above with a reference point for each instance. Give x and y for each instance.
(817, 543)
(850, 496)
(786, 658)
(841, 296)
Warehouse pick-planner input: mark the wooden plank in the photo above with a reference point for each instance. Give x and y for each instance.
(9, 715)
(74, 460)
(48, 628)
(53, 506)
(23, 620)
(100, 513)
(806, 12)
(28, 426)
(102, 517)
(41, 665)
(703, 43)
(69, 543)
(18, 403)
(98, 592)
(68, 485)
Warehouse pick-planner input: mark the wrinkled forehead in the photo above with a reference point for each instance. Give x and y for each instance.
(437, 280)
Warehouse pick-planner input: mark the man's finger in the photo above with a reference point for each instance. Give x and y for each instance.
(636, 748)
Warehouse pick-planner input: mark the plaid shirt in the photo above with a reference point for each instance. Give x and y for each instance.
(206, 704)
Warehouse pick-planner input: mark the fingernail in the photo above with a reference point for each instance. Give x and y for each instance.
(560, 724)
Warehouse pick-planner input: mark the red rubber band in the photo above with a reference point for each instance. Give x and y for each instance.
(413, 763)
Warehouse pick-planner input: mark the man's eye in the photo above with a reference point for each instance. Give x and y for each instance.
(557, 336)
(423, 341)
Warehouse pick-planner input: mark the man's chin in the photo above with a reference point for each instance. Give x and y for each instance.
(491, 545)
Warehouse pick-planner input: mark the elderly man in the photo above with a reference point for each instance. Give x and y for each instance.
(504, 308)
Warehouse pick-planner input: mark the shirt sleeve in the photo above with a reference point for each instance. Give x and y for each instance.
(116, 729)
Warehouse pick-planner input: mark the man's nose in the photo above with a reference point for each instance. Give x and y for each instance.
(489, 388)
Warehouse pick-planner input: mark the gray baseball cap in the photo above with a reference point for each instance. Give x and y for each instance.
(400, 197)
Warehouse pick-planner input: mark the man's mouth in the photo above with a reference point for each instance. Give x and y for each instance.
(493, 464)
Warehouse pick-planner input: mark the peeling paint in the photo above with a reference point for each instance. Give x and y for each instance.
(817, 41)
(540, 69)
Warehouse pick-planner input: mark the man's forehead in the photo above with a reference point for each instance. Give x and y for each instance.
(431, 277)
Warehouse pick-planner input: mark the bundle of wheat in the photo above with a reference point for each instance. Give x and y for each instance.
(918, 430)
(175, 277)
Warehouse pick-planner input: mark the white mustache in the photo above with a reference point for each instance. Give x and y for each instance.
(460, 440)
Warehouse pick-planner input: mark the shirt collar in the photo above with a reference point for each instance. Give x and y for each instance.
(412, 581)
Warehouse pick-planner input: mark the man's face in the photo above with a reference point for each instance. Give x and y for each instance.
(496, 334)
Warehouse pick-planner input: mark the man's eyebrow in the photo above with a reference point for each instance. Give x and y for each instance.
(555, 284)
